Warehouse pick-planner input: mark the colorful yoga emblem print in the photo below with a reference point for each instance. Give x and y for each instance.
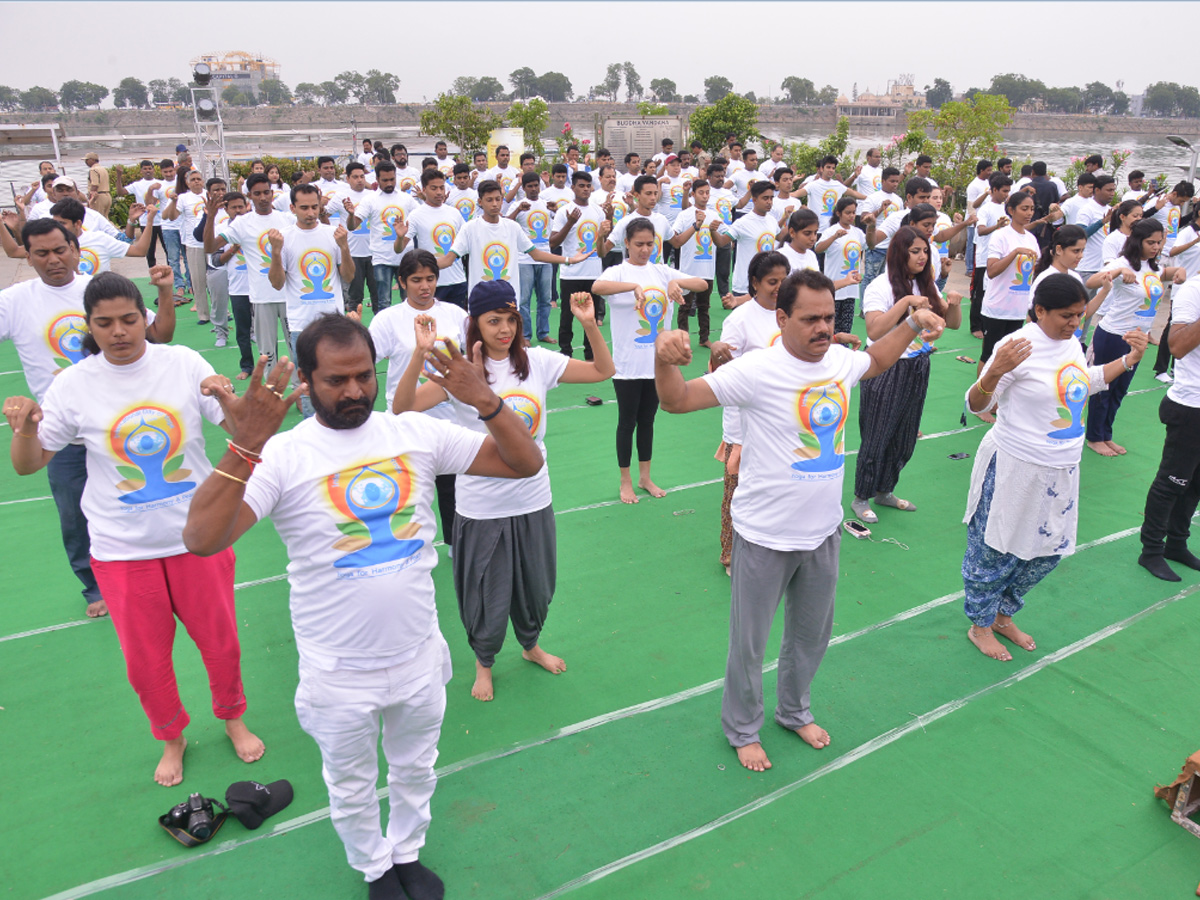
(65, 337)
(829, 199)
(443, 238)
(1071, 387)
(766, 242)
(1172, 223)
(821, 410)
(538, 224)
(264, 252)
(704, 244)
(89, 261)
(316, 275)
(374, 503)
(391, 216)
(851, 257)
(495, 262)
(148, 441)
(725, 209)
(466, 206)
(1153, 287)
(1022, 281)
(587, 233)
(526, 406)
(652, 316)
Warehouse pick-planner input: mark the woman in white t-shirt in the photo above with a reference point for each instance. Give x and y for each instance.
(505, 558)
(1123, 219)
(751, 326)
(1012, 253)
(278, 186)
(890, 406)
(945, 230)
(640, 293)
(1023, 505)
(1061, 257)
(138, 409)
(1137, 287)
(842, 243)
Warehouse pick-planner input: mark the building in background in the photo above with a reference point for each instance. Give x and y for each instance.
(244, 71)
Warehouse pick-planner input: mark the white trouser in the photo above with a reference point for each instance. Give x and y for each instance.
(342, 712)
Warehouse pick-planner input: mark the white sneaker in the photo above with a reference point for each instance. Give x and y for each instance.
(1165, 378)
(221, 342)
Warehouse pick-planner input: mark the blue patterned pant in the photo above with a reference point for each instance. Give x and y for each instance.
(996, 583)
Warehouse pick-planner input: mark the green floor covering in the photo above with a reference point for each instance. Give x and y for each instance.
(1039, 788)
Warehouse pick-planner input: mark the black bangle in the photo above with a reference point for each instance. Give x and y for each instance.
(493, 413)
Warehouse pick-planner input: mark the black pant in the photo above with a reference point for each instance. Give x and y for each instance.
(445, 502)
(242, 317)
(566, 319)
(151, 259)
(724, 267)
(1175, 491)
(352, 293)
(698, 303)
(976, 311)
(637, 403)
(1162, 360)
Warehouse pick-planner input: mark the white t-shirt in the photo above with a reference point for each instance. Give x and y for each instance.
(723, 201)
(97, 249)
(767, 167)
(367, 158)
(477, 497)
(494, 251)
(867, 182)
(943, 247)
(1090, 213)
(139, 189)
(1009, 296)
(434, 228)
(989, 214)
(843, 256)
(332, 192)
(408, 180)
(662, 233)
(1168, 217)
(47, 326)
(505, 177)
(395, 338)
(445, 166)
(1043, 400)
(742, 179)
(536, 221)
(670, 198)
(382, 213)
(977, 187)
(1071, 206)
(625, 181)
(1185, 309)
(620, 208)
(466, 202)
(1114, 243)
(191, 210)
(1189, 259)
(874, 203)
(1052, 271)
(799, 261)
(239, 278)
(1131, 306)
(749, 327)
(793, 456)
(142, 425)
(359, 239)
(310, 263)
(879, 297)
(885, 232)
(822, 197)
(354, 509)
(754, 234)
(635, 326)
(783, 207)
(698, 254)
(250, 232)
(583, 237)
(557, 197)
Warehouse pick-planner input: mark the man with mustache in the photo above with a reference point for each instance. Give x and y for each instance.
(350, 493)
(777, 553)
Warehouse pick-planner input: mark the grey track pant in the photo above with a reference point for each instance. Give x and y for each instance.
(806, 580)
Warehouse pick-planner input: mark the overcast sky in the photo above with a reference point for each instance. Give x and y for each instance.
(756, 45)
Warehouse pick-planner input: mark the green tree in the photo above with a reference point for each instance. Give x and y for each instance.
(1065, 99)
(234, 96)
(800, 91)
(1098, 97)
(38, 99)
(132, 93)
(1120, 103)
(524, 82)
(159, 91)
(633, 82)
(531, 117)
(487, 90)
(307, 93)
(334, 93)
(80, 94)
(1017, 88)
(10, 98)
(464, 85)
(353, 84)
(691, 98)
(664, 90)
(803, 158)
(963, 133)
(650, 108)
(1161, 98)
(274, 92)
(1189, 101)
(612, 81)
(555, 87)
(939, 94)
(379, 88)
(717, 87)
(180, 92)
(459, 121)
(731, 114)
(827, 96)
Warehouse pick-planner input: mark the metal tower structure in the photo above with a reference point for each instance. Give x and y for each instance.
(209, 153)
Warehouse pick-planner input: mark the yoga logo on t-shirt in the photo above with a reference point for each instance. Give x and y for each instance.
(1153, 287)
(765, 242)
(1071, 386)
(316, 275)
(652, 313)
(374, 501)
(725, 209)
(538, 224)
(495, 262)
(1023, 279)
(587, 232)
(443, 238)
(821, 410)
(264, 250)
(65, 337)
(851, 257)
(527, 408)
(704, 244)
(656, 253)
(89, 261)
(362, 228)
(390, 217)
(408, 184)
(675, 196)
(466, 206)
(619, 210)
(1173, 222)
(829, 199)
(148, 440)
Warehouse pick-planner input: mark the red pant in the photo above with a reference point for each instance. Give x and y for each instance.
(144, 596)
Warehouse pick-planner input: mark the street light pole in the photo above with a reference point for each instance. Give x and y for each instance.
(1191, 176)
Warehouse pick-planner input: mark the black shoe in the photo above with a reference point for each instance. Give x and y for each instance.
(1183, 555)
(386, 887)
(419, 882)
(1157, 566)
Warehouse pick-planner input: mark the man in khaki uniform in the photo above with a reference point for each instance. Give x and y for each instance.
(99, 197)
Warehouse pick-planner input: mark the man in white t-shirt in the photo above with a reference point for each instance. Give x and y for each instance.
(460, 194)
(633, 169)
(1070, 207)
(659, 158)
(880, 205)
(355, 190)
(805, 380)
(977, 194)
(433, 226)
(408, 178)
(350, 493)
(535, 217)
(755, 232)
(445, 162)
(385, 213)
(823, 192)
(580, 229)
(502, 173)
(645, 196)
(367, 156)
(144, 192)
(867, 178)
(768, 166)
(697, 248)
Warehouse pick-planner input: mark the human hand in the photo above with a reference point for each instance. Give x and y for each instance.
(719, 353)
(215, 384)
(1009, 355)
(1180, 276)
(1138, 340)
(20, 412)
(339, 235)
(916, 301)
(463, 379)
(675, 293)
(932, 325)
(583, 308)
(853, 341)
(257, 414)
(275, 237)
(425, 327)
(674, 348)
(136, 211)
(954, 298)
(162, 277)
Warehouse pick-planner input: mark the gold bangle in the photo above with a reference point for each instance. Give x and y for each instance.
(979, 384)
(230, 477)
(29, 436)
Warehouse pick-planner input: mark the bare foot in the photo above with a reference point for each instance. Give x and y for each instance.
(247, 745)
(170, 769)
(547, 661)
(1102, 448)
(1113, 445)
(627, 494)
(649, 486)
(482, 688)
(814, 735)
(987, 643)
(978, 335)
(97, 610)
(754, 757)
(986, 417)
(1010, 631)
(242, 376)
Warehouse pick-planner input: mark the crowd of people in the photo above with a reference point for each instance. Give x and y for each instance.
(462, 265)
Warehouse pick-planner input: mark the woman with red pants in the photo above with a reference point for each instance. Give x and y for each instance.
(138, 408)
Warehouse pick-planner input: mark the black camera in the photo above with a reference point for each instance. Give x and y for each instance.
(194, 815)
